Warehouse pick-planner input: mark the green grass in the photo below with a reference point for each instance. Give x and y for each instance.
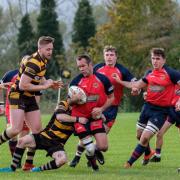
(122, 141)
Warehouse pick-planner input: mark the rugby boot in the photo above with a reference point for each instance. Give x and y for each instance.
(147, 158)
(155, 159)
(99, 157)
(92, 160)
(75, 161)
(36, 169)
(178, 170)
(127, 165)
(27, 167)
(7, 169)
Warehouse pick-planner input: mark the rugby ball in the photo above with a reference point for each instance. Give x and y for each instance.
(77, 90)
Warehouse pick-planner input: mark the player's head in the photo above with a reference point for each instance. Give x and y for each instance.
(84, 63)
(45, 46)
(110, 55)
(158, 58)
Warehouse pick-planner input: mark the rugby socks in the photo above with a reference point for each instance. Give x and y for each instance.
(138, 151)
(12, 146)
(158, 152)
(80, 150)
(4, 137)
(30, 156)
(147, 150)
(50, 165)
(17, 156)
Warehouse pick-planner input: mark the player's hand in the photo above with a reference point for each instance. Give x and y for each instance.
(57, 84)
(83, 120)
(96, 113)
(6, 85)
(48, 83)
(177, 105)
(116, 77)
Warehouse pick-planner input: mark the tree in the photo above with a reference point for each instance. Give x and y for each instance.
(134, 28)
(84, 25)
(26, 37)
(48, 26)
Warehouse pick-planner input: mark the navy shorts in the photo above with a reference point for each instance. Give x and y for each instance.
(110, 113)
(174, 116)
(155, 115)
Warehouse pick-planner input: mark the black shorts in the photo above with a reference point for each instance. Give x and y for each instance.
(18, 101)
(47, 144)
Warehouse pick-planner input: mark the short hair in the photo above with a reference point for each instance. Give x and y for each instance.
(110, 48)
(86, 57)
(158, 52)
(43, 40)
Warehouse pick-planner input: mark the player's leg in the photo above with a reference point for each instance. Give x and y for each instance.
(79, 150)
(16, 118)
(156, 121)
(82, 132)
(26, 141)
(59, 159)
(159, 139)
(33, 121)
(140, 126)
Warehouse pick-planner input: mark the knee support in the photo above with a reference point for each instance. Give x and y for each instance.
(89, 146)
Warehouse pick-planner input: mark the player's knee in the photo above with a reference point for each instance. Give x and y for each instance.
(90, 149)
(137, 137)
(103, 147)
(15, 131)
(60, 161)
(21, 142)
(144, 141)
(36, 130)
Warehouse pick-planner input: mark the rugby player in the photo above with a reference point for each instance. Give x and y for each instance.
(52, 139)
(160, 83)
(30, 79)
(99, 97)
(114, 71)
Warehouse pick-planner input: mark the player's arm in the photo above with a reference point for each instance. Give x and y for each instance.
(68, 118)
(26, 85)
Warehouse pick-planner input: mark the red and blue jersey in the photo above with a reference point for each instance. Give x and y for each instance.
(10, 76)
(97, 87)
(161, 86)
(123, 74)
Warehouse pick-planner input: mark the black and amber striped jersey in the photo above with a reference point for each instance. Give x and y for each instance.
(34, 67)
(57, 130)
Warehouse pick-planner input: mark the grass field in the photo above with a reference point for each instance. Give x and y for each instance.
(121, 143)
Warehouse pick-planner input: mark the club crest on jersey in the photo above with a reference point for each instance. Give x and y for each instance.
(162, 77)
(95, 85)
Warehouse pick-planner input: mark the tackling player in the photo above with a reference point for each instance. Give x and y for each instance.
(52, 139)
